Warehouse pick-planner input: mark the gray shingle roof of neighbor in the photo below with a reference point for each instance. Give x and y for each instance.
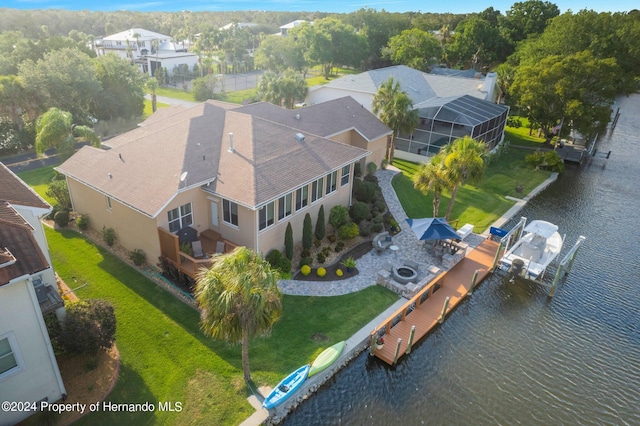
(143, 168)
(324, 119)
(419, 86)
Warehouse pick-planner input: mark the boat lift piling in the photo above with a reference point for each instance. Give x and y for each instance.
(566, 264)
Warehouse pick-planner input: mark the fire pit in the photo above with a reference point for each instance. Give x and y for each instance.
(404, 274)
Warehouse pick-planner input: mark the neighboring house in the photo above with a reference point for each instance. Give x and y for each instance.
(449, 107)
(139, 45)
(286, 27)
(225, 174)
(238, 25)
(28, 368)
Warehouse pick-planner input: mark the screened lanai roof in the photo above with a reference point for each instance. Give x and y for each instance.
(465, 110)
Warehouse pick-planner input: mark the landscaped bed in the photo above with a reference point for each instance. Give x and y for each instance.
(356, 252)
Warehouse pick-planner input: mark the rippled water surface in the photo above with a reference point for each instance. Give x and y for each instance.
(509, 355)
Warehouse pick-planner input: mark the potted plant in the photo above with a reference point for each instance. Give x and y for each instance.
(349, 263)
(379, 342)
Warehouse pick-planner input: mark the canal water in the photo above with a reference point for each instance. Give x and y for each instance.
(509, 354)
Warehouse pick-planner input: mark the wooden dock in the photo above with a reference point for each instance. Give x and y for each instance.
(432, 304)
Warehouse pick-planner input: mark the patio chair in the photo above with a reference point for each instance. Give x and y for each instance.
(220, 247)
(196, 246)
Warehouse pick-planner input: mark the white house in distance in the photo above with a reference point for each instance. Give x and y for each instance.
(286, 27)
(449, 107)
(139, 45)
(28, 368)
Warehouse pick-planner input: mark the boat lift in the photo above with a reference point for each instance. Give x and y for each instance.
(564, 267)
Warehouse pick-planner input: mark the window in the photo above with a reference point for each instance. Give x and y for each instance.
(302, 197)
(9, 359)
(284, 206)
(331, 182)
(345, 175)
(109, 203)
(180, 217)
(266, 214)
(230, 212)
(316, 189)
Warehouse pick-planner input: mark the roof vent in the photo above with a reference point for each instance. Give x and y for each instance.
(297, 116)
(231, 143)
(110, 175)
(299, 137)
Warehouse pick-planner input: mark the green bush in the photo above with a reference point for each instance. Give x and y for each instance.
(338, 216)
(339, 246)
(320, 257)
(377, 218)
(371, 168)
(359, 211)
(59, 191)
(321, 272)
(366, 192)
(326, 250)
(549, 160)
(55, 209)
(317, 243)
(306, 270)
(365, 228)
(90, 325)
(377, 227)
(320, 228)
(307, 232)
(384, 163)
(288, 242)
(331, 238)
(357, 169)
(380, 205)
(285, 265)
(305, 261)
(273, 257)
(514, 122)
(62, 218)
(109, 236)
(371, 178)
(202, 88)
(138, 257)
(348, 231)
(82, 222)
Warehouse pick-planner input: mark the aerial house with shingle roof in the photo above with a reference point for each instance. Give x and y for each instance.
(224, 174)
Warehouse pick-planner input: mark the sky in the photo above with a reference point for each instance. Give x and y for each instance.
(337, 6)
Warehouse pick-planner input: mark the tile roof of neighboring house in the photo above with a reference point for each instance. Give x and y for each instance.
(19, 252)
(144, 166)
(419, 86)
(16, 192)
(324, 119)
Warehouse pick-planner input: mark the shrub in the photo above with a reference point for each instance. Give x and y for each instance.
(62, 218)
(377, 227)
(339, 272)
(317, 243)
(338, 216)
(371, 178)
(89, 326)
(549, 160)
(83, 222)
(326, 250)
(359, 211)
(380, 205)
(184, 247)
(357, 169)
(138, 257)
(366, 192)
(331, 238)
(273, 257)
(305, 270)
(54, 210)
(371, 168)
(202, 88)
(320, 228)
(365, 228)
(285, 265)
(288, 242)
(320, 257)
(514, 122)
(384, 163)
(109, 236)
(339, 246)
(59, 191)
(349, 263)
(377, 218)
(348, 231)
(305, 261)
(307, 232)
(321, 272)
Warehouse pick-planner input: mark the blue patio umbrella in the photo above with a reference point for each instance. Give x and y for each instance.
(432, 228)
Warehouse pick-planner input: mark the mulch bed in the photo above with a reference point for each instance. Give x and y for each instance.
(357, 252)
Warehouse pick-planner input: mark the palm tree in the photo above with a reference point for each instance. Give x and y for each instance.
(395, 109)
(152, 86)
(433, 176)
(239, 299)
(464, 160)
(55, 129)
(292, 86)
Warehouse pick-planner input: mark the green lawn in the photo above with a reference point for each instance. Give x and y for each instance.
(175, 93)
(148, 108)
(39, 180)
(165, 356)
(479, 205)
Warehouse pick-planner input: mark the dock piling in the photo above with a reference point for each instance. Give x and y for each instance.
(473, 282)
(395, 356)
(410, 341)
(444, 310)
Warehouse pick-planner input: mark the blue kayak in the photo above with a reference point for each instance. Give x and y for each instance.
(286, 387)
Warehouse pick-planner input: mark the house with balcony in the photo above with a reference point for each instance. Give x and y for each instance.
(222, 175)
(449, 106)
(28, 368)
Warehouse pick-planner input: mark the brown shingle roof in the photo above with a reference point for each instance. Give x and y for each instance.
(144, 166)
(15, 191)
(324, 119)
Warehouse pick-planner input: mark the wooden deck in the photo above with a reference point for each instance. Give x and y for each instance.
(425, 308)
